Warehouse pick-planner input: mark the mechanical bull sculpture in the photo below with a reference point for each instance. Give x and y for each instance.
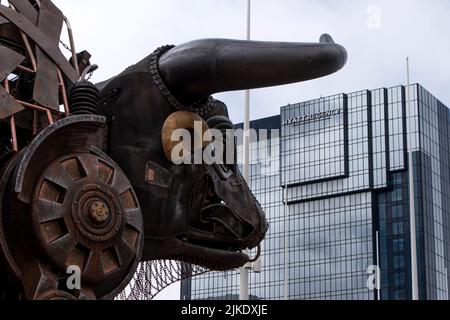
(93, 187)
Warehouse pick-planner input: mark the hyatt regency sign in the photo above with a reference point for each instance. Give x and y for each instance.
(312, 117)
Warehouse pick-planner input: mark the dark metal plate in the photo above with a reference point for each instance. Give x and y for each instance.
(8, 62)
(44, 42)
(25, 8)
(46, 86)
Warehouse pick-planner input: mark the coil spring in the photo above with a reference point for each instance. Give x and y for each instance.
(84, 98)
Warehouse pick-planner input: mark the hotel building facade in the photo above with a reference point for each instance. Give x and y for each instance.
(353, 185)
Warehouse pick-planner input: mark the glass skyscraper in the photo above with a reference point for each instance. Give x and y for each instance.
(352, 185)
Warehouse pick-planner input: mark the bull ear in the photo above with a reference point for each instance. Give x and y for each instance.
(193, 125)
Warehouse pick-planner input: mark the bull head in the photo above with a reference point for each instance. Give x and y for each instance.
(198, 213)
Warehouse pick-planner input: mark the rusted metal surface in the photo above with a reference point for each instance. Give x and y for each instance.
(26, 9)
(7, 238)
(63, 93)
(45, 44)
(29, 51)
(8, 62)
(85, 213)
(72, 46)
(45, 92)
(38, 108)
(12, 122)
(14, 144)
(95, 187)
(72, 134)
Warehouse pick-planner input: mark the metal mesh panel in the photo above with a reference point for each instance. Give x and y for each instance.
(154, 276)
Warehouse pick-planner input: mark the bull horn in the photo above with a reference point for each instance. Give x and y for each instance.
(197, 69)
(184, 120)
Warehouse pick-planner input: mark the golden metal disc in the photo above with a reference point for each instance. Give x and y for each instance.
(200, 135)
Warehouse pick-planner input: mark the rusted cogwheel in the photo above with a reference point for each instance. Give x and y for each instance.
(56, 295)
(86, 214)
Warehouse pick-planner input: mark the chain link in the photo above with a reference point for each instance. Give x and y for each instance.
(65, 46)
(89, 76)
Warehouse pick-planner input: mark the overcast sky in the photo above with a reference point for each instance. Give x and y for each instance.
(378, 35)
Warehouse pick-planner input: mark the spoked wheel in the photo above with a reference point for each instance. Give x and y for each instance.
(85, 214)
(84, 218)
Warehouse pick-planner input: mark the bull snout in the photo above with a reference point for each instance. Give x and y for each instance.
(260, 230)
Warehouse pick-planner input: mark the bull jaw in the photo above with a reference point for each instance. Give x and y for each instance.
(214, 259)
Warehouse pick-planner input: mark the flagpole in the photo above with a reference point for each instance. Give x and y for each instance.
(243, 284)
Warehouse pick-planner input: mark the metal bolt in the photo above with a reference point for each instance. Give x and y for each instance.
(99, 212)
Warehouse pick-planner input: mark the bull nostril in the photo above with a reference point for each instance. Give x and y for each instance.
(258, 254)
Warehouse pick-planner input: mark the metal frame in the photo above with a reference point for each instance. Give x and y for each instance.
(62, 86)
(12, 122)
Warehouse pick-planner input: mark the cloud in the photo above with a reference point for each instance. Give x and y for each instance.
(120, 33)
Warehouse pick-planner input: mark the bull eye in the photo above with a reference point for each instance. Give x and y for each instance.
(183, 133)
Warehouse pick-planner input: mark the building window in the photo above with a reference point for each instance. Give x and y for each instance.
(397, 228)
(399, 262)
(397, 195)
(399, 279)
(397, 212)
(398, 245)
(400, 295)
